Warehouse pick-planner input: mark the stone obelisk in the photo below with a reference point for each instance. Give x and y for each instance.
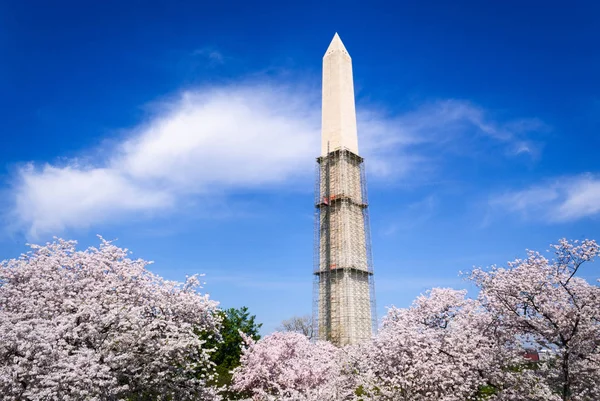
(344, 311)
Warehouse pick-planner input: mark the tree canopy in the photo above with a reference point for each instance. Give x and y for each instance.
(532, 333)
(228, 346)
(95, 324)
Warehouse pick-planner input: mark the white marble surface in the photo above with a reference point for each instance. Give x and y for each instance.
(338, 111)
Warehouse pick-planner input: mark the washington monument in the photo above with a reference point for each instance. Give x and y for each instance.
(344, 299)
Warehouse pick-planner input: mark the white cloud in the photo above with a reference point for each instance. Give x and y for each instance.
(563, 199)
(423, 136)
(223, 139)
(202, 142)
(448, 120)
(51, 198)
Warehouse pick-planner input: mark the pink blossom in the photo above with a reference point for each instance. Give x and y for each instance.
(95, 324)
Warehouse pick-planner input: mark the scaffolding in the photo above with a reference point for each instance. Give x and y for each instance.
(343, 289)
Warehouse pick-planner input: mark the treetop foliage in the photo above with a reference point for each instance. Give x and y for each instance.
(448, 347)
(228, 346)
(95, 324)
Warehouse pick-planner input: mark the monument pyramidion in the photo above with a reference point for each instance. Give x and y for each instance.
(344, 298)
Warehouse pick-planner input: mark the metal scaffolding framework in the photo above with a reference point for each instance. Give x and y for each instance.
(343, 289)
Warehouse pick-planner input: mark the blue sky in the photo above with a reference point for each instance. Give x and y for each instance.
(188, 132)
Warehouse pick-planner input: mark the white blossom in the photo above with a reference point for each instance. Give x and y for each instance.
(288, 367)
(96, 325)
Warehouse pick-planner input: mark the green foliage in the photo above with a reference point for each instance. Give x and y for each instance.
(228, 348)
(360, 391)
(485, 392)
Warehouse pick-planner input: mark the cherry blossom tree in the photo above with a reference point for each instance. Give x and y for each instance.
(95, 324)
(448, 347)
(435, 350)
(543, 303)
(288, 367)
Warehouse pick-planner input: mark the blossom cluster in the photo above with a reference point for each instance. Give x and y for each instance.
(532, 333)
(97, 325)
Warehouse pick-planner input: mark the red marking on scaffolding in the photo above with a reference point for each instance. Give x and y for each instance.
(326, 199)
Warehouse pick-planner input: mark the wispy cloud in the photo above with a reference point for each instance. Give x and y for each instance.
(562, 199)
(424, 136)
(213, 56)
(413, 215)
(202, 142)
(219, 140)
(445, 121)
